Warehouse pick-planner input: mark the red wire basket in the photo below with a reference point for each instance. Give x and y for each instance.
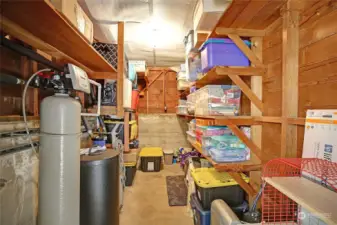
(278, 208)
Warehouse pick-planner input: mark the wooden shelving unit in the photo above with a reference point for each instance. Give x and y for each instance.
(229, 167)
(40, 25)
(222, 120)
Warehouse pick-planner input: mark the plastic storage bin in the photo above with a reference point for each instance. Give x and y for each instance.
(150, 159)
(200, 216)
(191, 137)
(209, 131)
(189, 42)
(127, 93)
(218, 100)
(211, 185)
(168, 157)
(221, 52)
(228, 148)
(130, 172)
(182, 84)
(135, 99)
(194, 69)
(182, 109)
(191, 101)
(192, 125)
(133, 129)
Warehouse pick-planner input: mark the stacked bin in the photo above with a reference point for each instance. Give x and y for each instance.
(218, 100)
(204, 135)
(191, 101)
(150, 159)
(212, 185)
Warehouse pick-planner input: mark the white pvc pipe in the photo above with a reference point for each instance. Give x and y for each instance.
(98, 113)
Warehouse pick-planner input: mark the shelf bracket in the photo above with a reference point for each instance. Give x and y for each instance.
(244, 185)
(246, 50)
(250, 144)
(246, 89)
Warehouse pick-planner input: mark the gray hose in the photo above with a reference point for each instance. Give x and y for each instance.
(24, 106)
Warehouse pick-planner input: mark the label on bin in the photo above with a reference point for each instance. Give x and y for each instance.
(150, 166)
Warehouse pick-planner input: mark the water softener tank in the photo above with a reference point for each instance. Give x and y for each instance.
(100, 188)
(59, 154)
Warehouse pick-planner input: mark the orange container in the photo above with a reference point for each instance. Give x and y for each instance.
(135, 99)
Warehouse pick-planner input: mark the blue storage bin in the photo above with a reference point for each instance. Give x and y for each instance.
(221, 52)
(200, 216)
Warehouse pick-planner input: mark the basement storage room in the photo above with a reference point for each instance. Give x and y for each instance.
(168, 112)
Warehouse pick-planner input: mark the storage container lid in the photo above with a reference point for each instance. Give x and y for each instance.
(190, 133)
(130, 164)
(132, 122)
(210, 178)
(220, 41)
(99, 155)
(151, 152)
(168, 151)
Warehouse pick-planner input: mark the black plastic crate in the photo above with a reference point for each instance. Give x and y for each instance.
(130, 173)
(150, 164)
(233, 195)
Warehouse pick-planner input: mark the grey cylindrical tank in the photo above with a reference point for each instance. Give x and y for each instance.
(100, 188)
(59, 176)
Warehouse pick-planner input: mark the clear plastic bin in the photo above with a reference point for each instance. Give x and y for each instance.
(228, 148)
(191, 100)
(191, 137)
(182, 84)
(192, 125)
(229, 155)
(182, 110)
(208, 131)
(218, 100)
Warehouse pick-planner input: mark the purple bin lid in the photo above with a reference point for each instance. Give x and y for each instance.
(220, 41)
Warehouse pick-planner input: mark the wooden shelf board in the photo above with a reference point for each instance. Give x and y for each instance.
(222, 120)
(219, 75)
(302, 191)
(105, 110)
(42, 20)
(229, 167)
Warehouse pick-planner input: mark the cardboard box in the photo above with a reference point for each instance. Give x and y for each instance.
(140, 65)
(320, 135)
(207, 14)
(132, 156)
(75, 14)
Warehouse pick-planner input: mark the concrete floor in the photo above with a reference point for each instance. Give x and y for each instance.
(146, 202)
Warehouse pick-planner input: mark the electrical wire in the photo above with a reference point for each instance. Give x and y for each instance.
(24, 107)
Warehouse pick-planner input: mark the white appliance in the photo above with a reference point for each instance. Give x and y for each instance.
(320, 141)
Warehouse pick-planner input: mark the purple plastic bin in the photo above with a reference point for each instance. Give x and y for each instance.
(221, 52)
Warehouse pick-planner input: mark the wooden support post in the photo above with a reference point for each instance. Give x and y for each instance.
(126, 131)
(250, 144)
(120, 69)
(290, 56)
(246, 89)
(35, 91)
(256, 131)
(244, 185)
(246, 50)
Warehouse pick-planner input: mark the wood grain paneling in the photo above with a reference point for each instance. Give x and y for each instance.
(272, 93)
(154, 96)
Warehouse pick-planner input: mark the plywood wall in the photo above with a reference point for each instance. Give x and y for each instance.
(272, 93)
(317, 72)
(318, 63)
(162, 130)
(156, 97)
